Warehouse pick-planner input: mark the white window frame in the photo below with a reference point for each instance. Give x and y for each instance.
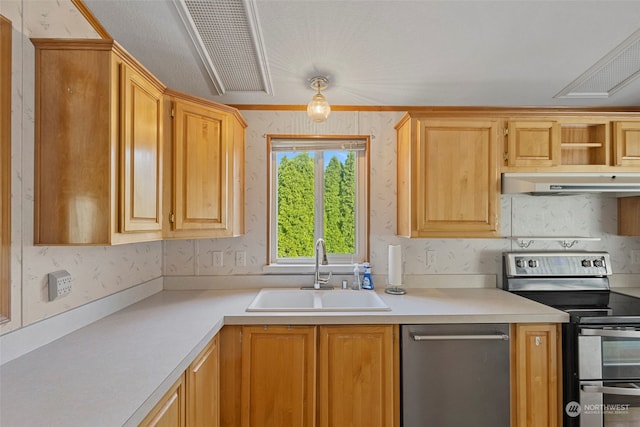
(361, 205)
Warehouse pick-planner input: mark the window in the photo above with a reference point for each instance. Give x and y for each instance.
(318, 189)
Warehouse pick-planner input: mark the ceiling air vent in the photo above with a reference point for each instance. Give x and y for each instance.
(610, 74)
(228, 38)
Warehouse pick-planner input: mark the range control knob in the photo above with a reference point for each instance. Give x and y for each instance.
(598, 263)
(521, 263)
(586, 263)
(533, 263)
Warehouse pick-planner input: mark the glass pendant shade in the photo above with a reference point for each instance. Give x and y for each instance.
(318, 108)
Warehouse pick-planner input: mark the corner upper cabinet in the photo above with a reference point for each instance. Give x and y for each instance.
(98, 148)
(626, 136)
(204, 163)
(448, 176)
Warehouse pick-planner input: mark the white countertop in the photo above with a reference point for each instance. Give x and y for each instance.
(112, 372)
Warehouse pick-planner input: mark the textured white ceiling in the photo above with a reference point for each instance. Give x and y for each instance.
(392, 53)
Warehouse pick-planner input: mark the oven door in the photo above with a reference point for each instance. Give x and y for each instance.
(609, 376)
(609, 404)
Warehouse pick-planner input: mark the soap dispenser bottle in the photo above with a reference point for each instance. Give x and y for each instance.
(356, 278)
(367, 281)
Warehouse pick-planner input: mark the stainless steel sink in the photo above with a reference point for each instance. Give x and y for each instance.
(282, 300)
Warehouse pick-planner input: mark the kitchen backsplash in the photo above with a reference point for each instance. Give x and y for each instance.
(593, 216)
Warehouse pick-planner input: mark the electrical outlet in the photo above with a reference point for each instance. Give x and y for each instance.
(635, 257)
(218, 260)
(59, 284)
(241, 258)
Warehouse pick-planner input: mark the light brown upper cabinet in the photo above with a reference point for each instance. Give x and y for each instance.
(533, 143)
(629, 216)
(204, 168)
(572, 144)
(5, 169)
(98, 148)
(448, 176)
(626, 145)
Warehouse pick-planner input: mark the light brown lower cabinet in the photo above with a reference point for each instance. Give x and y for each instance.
(357, 375)
(346, 375)
(194, 400)
(536, 375)
(203, 387)
(170, 411)
(278, 376)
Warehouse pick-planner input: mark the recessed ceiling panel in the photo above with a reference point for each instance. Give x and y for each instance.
(227, 36)
(610, 74)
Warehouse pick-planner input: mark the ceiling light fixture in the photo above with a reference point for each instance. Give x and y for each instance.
(318, 108)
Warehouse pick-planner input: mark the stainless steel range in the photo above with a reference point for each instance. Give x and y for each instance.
(601, 343)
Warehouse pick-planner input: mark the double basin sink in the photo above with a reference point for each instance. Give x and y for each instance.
(316, 300)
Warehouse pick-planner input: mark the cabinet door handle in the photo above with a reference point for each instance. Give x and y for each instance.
(500, 337)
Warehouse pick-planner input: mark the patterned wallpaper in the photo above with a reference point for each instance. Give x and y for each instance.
(522, 215)
(96, 271)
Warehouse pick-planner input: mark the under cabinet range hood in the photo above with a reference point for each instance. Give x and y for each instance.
(624, 184)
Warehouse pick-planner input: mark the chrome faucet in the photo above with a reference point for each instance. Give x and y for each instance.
(318, 281)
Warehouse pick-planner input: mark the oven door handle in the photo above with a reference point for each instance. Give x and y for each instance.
(620, 391)
(614, 333)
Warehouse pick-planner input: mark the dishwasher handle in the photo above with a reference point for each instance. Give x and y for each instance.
(489, 337)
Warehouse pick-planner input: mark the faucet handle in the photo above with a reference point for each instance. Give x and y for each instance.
(325, 280)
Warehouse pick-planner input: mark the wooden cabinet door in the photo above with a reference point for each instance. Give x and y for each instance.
(141, 153)
(627, 143)
(170, 411)
(456, 179)
(203, 388)
(5, 168)
(356, 370)
(278, 376)
(535, 373)
(629, 216)
(201, 161)
(534, 143)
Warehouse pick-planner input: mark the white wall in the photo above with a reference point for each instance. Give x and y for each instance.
(469, 261)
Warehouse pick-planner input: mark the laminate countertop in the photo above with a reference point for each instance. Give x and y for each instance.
(113, 371)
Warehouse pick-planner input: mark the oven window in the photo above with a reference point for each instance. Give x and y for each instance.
(621, 358)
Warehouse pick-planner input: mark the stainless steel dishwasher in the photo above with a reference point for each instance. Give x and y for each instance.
(455, 375)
